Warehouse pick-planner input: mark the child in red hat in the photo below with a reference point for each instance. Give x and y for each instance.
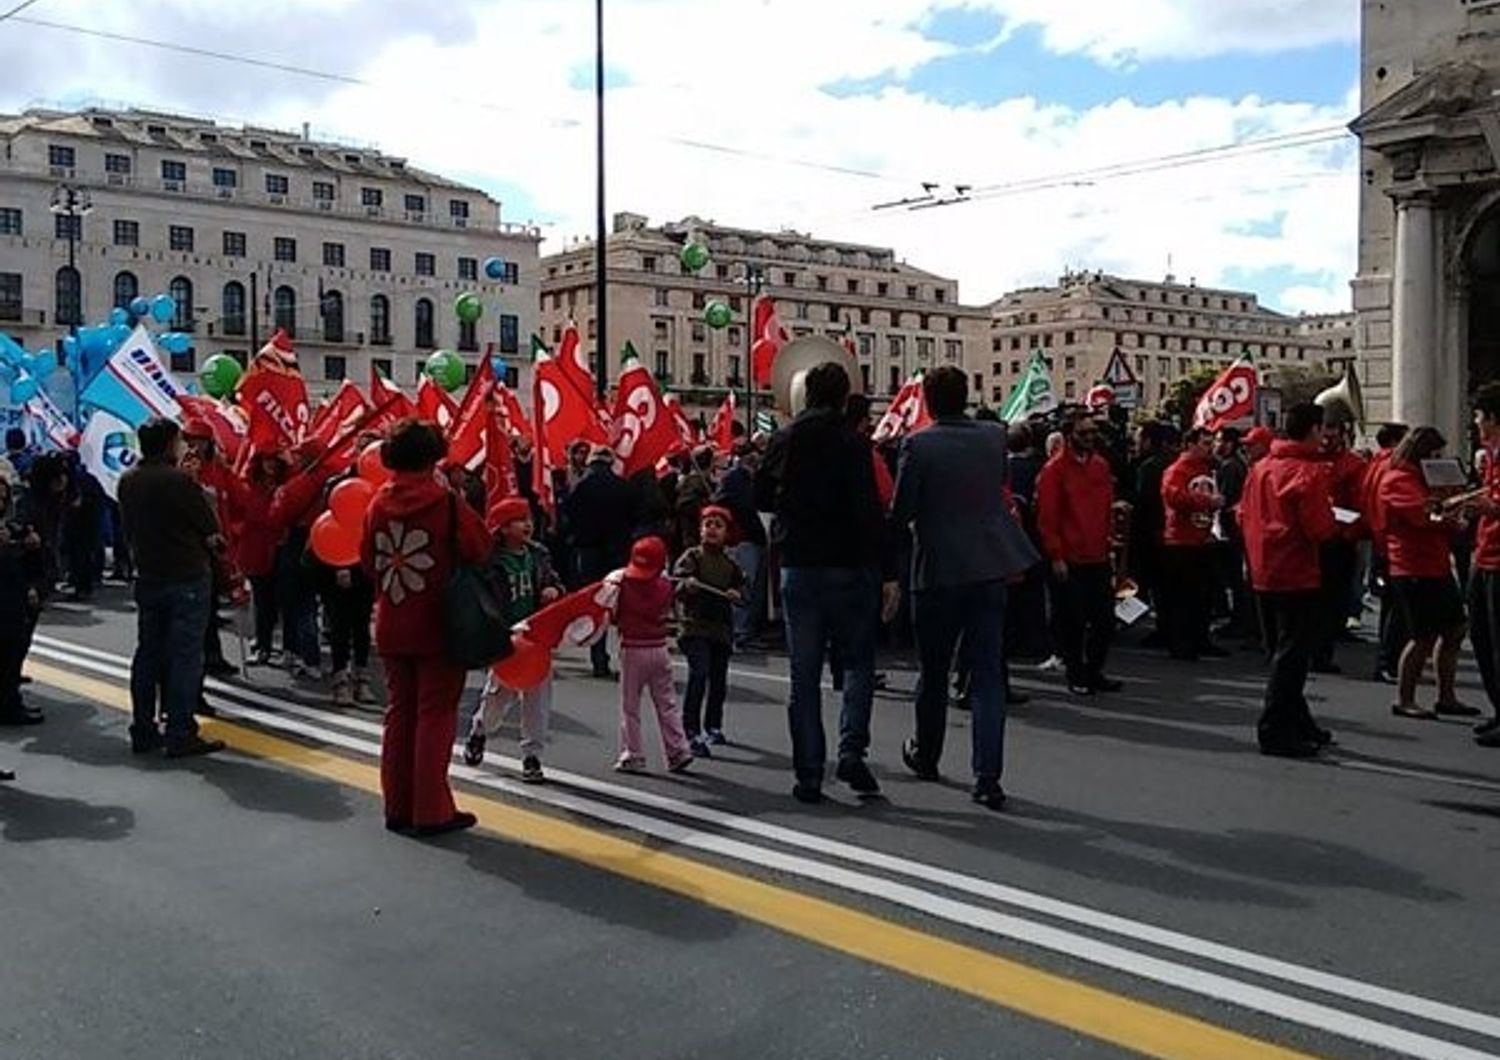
(711, 584)
(641, 613)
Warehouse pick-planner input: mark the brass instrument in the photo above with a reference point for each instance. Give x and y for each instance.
(797, 358)
(1440, 508)
(1343, 402)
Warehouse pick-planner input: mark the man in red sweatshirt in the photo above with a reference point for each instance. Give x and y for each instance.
(1339, 557)
(1287, 514)
(1484, 582)
(1075, 493)
(1190, 499)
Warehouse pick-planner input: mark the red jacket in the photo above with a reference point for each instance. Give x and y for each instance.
(1190, 512)
(642, 612)
(1073, 501)
(408, 551)
(1346, 471)
(299, 501)
(1416, 545)
(1285, 514)
(1487, 534)
(258, 536)
(1369, 497)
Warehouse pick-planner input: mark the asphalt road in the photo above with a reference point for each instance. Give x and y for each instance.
(251, 905)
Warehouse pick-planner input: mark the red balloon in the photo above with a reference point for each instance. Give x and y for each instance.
(334, 543)
(370, 467)
(527, 666)
(349, 500)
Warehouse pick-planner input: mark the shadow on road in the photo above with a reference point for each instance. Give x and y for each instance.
(26, 817)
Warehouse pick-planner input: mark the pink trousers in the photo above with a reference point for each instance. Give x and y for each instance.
(650, 668)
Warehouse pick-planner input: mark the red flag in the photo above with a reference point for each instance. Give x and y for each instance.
(721, 431)
(466, 435)
(643, 428)
(433, 403)
(346, 406)
(687, 437)
(1100, 396)
(1230, 398)
(228, 431)
(907, 414)
(499, 462)
(386, 395)
(767, 336)
(514, 413)
(569, 412)
(274, 396)
(574, 361)
(541, 461)
(579, 618)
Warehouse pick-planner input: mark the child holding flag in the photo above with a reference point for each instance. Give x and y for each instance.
(711, 584)
(526, 572)
(642, 611)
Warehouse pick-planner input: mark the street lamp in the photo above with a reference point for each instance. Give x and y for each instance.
(73, 203)
(601, 254)
(755, 279)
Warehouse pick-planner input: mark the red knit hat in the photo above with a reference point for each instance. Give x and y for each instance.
(505, 511)
(648, 557)
(719, 512)
(1260, 436)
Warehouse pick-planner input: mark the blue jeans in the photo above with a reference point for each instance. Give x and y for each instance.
(822, 603)
(969, 619)
(171, 618)
(747, 613)
(708, 672)
(299, 602)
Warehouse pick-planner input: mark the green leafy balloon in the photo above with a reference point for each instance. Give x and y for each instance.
(446, 369)
(468, 307)
(219, 375)
(694, 256)
(717, 315)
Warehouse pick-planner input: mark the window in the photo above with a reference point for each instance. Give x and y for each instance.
(380, 320)
(1067, 338)
(277, 184)
(284, 312)
(1015, 367)
(648, 262)
(897, 346)
(10, 221)
(426, 264)
(284, 248)
(371, 197)
(468, 268)
(458, 209)
(226, 178)
(60, 157)
(882, 289)
(734, 336)
(117, 164)
(10, 296)
(322, 191)
(953, 349)
(913, 292)
(335, 367)
(181, 290)
(415, 204)
(893, 381)
(940, 295)
(1070, 363)
(127, 234)
(997, 369)
(180, 237)
(510, 333)
(381, 365)
(1015, 342)
(333, 255)
(380, 259)
(924, 348)
(234, 244)
(468, 335)
(852, 286)
(127, 288)
(661, 297)
(700, 369)
(1070, 389)
(700, 334)
(789, 279)
(424, 324)
(866, 344)
(332, 310)
(174, 172)
(232, 309)
(733, 376)
(185, 362)
(67, 226)
(821, 282)
(69, 303)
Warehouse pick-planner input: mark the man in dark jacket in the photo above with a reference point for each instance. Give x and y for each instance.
(600, 515)
(737, 493)
(819, 481)
(950, 487)
(173, 534)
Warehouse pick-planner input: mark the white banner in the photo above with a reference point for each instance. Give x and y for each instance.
(108, 449)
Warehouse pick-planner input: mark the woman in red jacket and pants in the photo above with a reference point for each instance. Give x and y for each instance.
(416, 531)
(1419, 548)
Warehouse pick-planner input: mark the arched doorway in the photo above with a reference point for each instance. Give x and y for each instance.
(1483, 264)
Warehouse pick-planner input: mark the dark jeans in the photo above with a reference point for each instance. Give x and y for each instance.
(708, 671)
(170, 619)
(819, 603)
(1393, 631)
(347, 612)
(1084, 606)
(1337, 562)
(263, 597)
(1184, 598)
(14, 643)
(1294, 620)
(1484, 630)
(297, 594)
(594, 562)
(974, 616)
(1230, 557)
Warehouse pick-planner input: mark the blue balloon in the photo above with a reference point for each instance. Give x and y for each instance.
(494, 268)
(117, 334)
(175, 342)
(93, 341)
(11, 351)
(139, 306)
(119, 315)
(23, 390)
(41, 365)
(8, 373)
(163, 308)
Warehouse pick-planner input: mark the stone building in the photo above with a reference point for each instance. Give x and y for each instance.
(900, 318)
(1428, 290)
(358, 254)
(1164, 331)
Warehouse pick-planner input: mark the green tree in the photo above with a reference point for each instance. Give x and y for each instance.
(1183, 394)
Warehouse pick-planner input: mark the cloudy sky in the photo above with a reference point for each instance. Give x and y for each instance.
(803, 114)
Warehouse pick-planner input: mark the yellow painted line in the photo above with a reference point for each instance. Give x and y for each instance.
(1134, 1025)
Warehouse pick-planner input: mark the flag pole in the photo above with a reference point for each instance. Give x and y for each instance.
(601, 281)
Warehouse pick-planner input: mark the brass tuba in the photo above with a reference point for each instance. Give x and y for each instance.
(1343, 402)
(797, 358)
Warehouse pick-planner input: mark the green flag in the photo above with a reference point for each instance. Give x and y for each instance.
(765, 421)
(537, 346)
(1032, 394)
(628, 354)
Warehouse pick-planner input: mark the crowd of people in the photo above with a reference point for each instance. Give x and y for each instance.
(974, 544)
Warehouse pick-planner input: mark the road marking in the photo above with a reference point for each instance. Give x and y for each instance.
(1053, 999)
(968, 915)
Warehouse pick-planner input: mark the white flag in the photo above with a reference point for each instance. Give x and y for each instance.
(109, 449)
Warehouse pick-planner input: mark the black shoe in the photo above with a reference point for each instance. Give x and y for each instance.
(26, 679)
(964, 704)
(1016, 699)
(221, 668)
(143, 743)
(193, 747)
(920, 769)
(604, 673)
(808, 793)
(400, 827)
(474, 749)
(881, 681)
(857, 775)
(838, 682)
(1383, 676)
(204, 710)
(1106, 684)
(989, 794)
(1291, 749)
(1212, 651)
(6, 774)
(1456, 709)
(1489, 739)
(20, 718)
(1486, 727)
(457, 823)
(1320, 737)
(1080, 688)
(531, 770)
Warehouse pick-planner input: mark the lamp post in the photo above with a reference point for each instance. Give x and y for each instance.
(601, 281)
(73, 203)
(755, 279)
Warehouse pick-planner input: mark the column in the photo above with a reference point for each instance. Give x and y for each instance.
(1415, 339)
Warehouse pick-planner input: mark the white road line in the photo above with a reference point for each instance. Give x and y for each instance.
(943, 908)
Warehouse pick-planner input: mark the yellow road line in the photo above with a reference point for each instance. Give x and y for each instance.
(1135, 1025)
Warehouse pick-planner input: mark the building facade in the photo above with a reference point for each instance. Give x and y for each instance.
(1164, 331)
(1428, 290)
(899, 318)
(358, 255)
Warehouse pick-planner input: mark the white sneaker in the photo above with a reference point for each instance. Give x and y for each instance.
(343, 691)
(364, 692)
(1051, 664)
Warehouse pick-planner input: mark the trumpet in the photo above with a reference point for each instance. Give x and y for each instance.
(1439, 508)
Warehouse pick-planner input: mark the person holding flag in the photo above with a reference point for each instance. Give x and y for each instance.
(1033, 395)
(1191, 499)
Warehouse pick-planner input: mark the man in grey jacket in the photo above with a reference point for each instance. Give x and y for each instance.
(950, 488)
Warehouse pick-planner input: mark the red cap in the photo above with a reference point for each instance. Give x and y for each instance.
(193, 427)
(505, 511)
(648, 557)
(1260, 436)
(716, 511)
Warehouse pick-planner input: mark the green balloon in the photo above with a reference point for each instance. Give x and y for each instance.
(694, 256)
(718, 315)
(468, 307)
(219, 375)
(446, 369)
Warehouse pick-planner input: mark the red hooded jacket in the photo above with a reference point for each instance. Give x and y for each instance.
(408, 551)
(1286, 512)
(1487, 534)
(1073, 502)
(1346, 471)
(1416, 545)
(1190, 514)
(1369, 497)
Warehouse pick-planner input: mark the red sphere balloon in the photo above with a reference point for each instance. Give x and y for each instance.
(349, 500)
(334, 543)
(527, 666)
(370, 467)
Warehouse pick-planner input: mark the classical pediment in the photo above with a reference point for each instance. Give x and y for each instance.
(1447, 91)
